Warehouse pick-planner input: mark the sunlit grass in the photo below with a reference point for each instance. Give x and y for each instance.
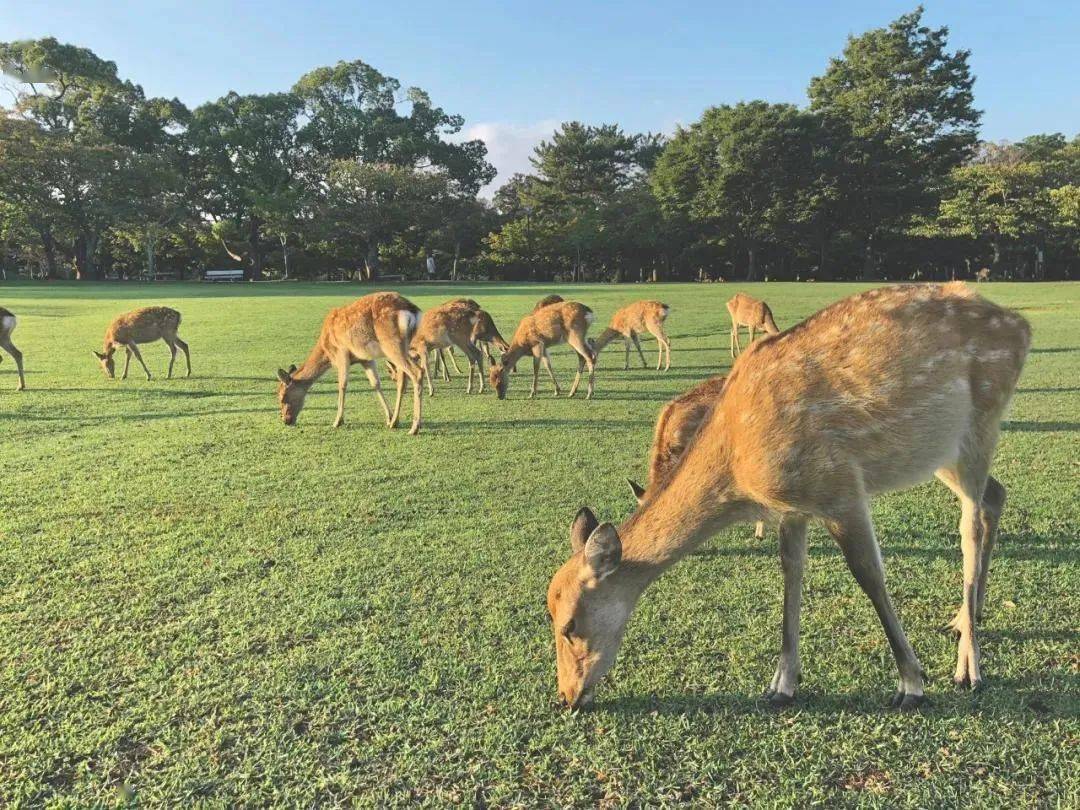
(200, 604)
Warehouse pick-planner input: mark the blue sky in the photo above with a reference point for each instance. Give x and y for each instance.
(515, 70)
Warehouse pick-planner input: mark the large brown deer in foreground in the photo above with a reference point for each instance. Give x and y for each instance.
(8, 322)
(748, 311)
(377, 325)
(629, 322)
(877, 392)
(565, 321)
(142, 326)
(676, 427)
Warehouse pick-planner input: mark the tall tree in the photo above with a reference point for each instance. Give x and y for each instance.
(906, 103)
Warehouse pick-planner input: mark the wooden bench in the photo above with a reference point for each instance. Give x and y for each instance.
(223, 275)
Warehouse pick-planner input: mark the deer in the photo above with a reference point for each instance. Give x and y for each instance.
(377, 325)
(983, 275)
(143, 325)
(564, 321)
(8, 322)
(455, 325)
(547, 301)
(676, 427)
(441, 356)
(877, 392)
(751, 313)
(630, 321)
(485, 335)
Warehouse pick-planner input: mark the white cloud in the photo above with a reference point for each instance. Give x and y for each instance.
(509, 146)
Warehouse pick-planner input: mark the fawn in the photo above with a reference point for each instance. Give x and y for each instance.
(377, 325)
(631, 321)
(751, 313)
(564, 321)
(142, 326)
(877, 392)
(8, 322)
(675, 430)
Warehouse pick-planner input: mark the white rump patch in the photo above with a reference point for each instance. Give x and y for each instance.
(589, 317)
(8, 322)
(407, 321)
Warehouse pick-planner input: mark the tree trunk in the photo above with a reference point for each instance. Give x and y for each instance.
(453, 267)
(871, 269)
(151, 264)
(284, 238)
(255, 245)
(49, 245)
(751, 263)
(85, 245)
(371, 262)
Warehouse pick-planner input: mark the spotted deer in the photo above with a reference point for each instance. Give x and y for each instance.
(8, 322)
(751, 313)
(675, 431)
(548, 300)
(877, 392)
(564, 321)
(448, 353)
(377, 325)
(629, 322)
(142, 326)
(454, 325)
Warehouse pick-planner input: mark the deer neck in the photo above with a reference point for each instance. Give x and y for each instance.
(698, 500)
(606, 337)
(515, 353)
(316, 364)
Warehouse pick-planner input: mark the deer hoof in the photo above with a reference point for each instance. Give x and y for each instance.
(907, 703)
(779, 700)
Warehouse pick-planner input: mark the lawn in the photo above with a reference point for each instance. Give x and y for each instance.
(198, 604)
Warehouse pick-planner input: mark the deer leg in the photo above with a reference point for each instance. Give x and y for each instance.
(536, 373)
(640, 353)
(172, 358)
(127, 362)
(586, 359)
(425, 370)
(626, 360)
(371, 369)
(854, 533)
(993, 502)
(16, 355)
(546, 360)
(417, 401)
(476, 358)
(793, 560)
(449, 352)
(342, 384)
(751, 340)
(400, 384)
(961, 482)
(735, 338)
(138, 356)
(759, 530)
(187, 354)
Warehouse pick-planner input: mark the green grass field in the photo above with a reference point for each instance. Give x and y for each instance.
(198, 604)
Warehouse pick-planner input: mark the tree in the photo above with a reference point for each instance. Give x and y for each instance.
(248, 159)
(367, 205)
(905, 102)
(745, 173)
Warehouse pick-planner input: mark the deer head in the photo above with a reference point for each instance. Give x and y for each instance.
(588, 609)
(291, 395)
(108, 365)
(497, 376)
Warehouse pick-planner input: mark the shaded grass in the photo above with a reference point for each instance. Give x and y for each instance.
(198, 604)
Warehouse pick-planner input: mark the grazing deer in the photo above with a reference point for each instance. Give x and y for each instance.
(8, 322)
(441, 356)
(454, 325)
(676, 429)
(751, 313)
(983, 274)
(565, 321)
(877, 392)
(632, 320)
(548, 300)
(485, 335)
(142, 326)
(377, 325)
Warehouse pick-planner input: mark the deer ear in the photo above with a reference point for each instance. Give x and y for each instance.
(292, 369)
(283, 375)
(98, 355)
(584, 524)
(637, 489)
(603, 551)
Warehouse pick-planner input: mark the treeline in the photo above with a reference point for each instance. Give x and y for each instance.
(347, 175)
